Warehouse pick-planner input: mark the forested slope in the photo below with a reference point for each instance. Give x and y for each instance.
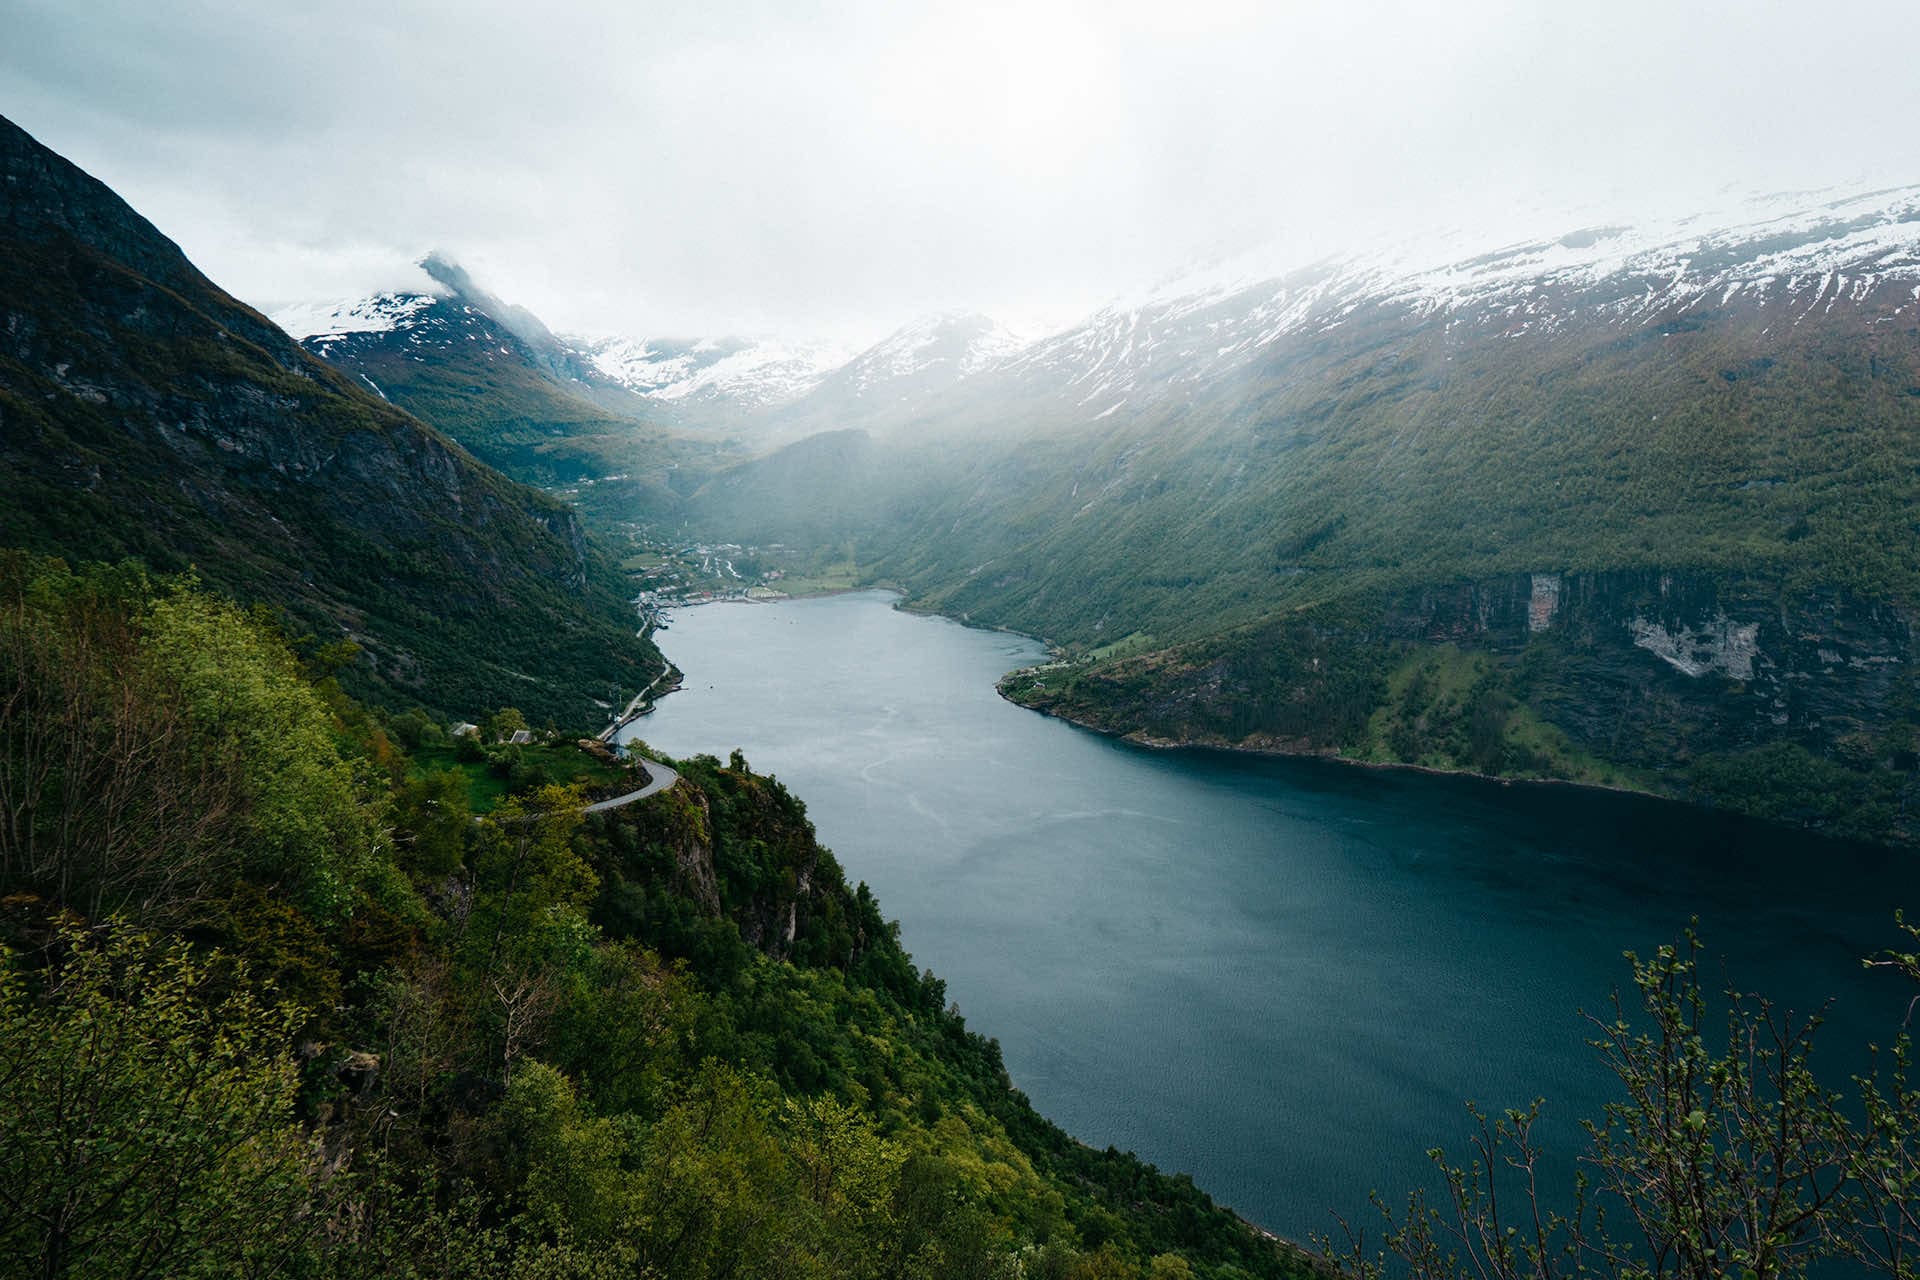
(145, 413)
(330, 1021)
(1655, 516)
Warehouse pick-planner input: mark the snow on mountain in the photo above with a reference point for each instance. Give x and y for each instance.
(1812, 250)
(752, 374)
(382, 313)
(1849, 243)
(955, 344)
(927, 355)
(790, 389)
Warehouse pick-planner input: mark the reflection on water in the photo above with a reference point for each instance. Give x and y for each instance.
(1284, 977)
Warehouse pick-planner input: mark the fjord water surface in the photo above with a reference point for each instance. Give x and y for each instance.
(1283, 977)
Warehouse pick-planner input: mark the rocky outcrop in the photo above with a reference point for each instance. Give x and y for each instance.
(738, 846)
(693, 873)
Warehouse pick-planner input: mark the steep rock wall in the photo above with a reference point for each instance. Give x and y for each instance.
(1652, 667)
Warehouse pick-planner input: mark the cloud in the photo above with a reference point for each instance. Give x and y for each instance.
(833, 169)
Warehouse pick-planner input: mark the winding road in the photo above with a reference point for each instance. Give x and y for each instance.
(659, 778)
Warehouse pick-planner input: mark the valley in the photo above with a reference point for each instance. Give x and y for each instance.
(1216, 961)
(1332, 688)
(1268, 514)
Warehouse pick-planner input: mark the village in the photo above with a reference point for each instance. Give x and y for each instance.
(669, 575)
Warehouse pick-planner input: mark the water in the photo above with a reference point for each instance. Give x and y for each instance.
(1283, 977)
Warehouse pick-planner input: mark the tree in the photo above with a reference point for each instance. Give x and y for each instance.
(1727, 1160)
(1883, 1155)
(146, 1126)
(106, 801)
(156, 744)
(503, 723)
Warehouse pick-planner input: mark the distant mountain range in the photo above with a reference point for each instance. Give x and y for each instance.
(404, 344)
(1201, 328)
(1620, 505)
(1626, 503)
(145, 413)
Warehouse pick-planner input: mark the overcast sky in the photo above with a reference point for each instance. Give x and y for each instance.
(833, 169)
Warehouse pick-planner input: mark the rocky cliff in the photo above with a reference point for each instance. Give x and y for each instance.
(1658, 666)
(1796, 705)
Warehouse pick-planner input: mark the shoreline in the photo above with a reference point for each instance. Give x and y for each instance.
(1150, 743)
(1331, 757)
(781, 598)
(903, 603)
(1474, 777)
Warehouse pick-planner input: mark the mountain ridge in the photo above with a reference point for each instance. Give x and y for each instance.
(1219, 504)
(149, 414)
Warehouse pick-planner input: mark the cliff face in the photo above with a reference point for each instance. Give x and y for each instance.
(145, 413)
(736, 847)
(1800, 706)
(1653, 668)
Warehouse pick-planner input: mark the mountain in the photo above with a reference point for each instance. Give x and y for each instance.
(776, 392)
(489, 374)
(1623, 505)
(492, 373)
(559, 409)
(145, 413)
(724, 381)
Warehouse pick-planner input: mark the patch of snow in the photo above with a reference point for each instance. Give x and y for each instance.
(758, 373)
(381, 313)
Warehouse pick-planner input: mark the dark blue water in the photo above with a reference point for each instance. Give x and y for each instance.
(1284, 977)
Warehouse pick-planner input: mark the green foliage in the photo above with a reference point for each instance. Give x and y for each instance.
(246, 702)
(669, 1039)
(502, 723)
(486, 774)
(1784, 782)
(1721, 1156)
(158, 744)
(147, 1128)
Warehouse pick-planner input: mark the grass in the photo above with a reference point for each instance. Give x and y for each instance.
(844, 576)
(486, 787)
(1125, 646)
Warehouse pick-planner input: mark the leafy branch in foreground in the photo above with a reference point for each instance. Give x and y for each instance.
(146, 1116)
(1719, 1159)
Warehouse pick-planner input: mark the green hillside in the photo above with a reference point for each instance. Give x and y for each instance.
(328, 1021)
(1296, 539)
(146, 414)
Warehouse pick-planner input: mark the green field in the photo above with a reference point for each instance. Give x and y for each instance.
(489, 782)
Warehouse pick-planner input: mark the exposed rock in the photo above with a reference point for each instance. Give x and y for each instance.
(1545, 601)
(1724, 646)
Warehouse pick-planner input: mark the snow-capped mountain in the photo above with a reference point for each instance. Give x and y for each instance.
(751, 375)
(764, 389)
(1809, 253)
(785, 390)
(938, 349)
(892, 383)
(1802, 252)
(316, 324)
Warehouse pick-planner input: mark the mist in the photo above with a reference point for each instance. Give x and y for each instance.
(832, 170)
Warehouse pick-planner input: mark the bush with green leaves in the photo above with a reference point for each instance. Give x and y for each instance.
(1722, 1155)
(147, 1115)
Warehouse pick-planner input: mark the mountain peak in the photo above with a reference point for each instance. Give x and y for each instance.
(443, 270)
